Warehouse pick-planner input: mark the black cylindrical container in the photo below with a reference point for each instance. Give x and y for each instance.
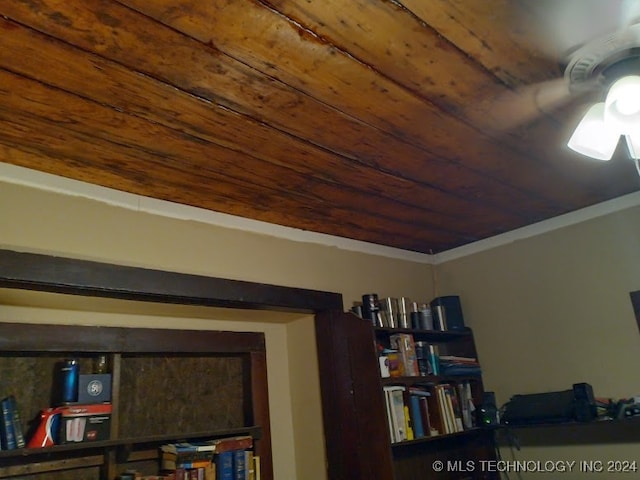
(69, 374)
(414, 316)
(371, 308)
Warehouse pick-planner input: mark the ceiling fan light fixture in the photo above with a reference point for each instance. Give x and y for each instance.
(593, 137)
(622, 105)
(633, 144)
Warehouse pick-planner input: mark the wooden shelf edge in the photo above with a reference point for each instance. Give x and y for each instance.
(51, 466)
(436, 334)
(79, 448)
(436, 438)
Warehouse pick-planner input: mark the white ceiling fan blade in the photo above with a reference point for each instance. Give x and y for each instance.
(512, 109)
(562, 26)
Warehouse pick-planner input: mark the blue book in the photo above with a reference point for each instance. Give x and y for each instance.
(416, 416)
(224, 465)
(17, 422)
(7, 436)
(239, 465)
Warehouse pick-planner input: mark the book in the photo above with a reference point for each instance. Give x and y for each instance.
(387, 404)
(416, 416)
(239, 465)
(7, 437)
(172, 459)
(224, 465)
(454, 401)
(408, 424)
(196, 473)
(193, 464)
(394, 402)
(182, 447)
(248, 461)
(453, 365)
(457, 359)
(405, 345)
(434, 359)
(466, 405)
(240, 442)
(397, 413)
(446, 411)
(17, 422)
(435, 415)
(429, 431)
(256, 467)
(210, 472)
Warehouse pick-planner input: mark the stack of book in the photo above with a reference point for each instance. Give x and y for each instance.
(11, 433)
(428, 410)
(228, 458)
(454, 365)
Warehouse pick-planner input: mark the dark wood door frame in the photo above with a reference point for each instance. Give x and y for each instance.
(30, 271)
(48, 273)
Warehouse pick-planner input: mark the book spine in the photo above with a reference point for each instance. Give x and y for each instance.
(239, 467)
(426, 417)
(17, 422)
(408, 424)
(248, 461)
(234, 443)
(416, 416)
(6, 425)
(256, 466)
(224, 465)
(398, 414)
(388, 405)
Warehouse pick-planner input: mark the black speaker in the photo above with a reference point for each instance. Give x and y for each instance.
(447, 313)
(488, 411)
(584, 403)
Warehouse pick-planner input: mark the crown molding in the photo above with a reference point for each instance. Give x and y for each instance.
(66, 186)
(555, 223)
(53, 183)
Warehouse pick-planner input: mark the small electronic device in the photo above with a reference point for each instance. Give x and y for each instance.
(629, 408)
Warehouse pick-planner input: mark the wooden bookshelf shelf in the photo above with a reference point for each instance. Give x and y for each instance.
(438, 438)
(81, 448)
(435, 335)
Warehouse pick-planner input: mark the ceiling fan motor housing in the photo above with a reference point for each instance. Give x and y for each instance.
(599, 63)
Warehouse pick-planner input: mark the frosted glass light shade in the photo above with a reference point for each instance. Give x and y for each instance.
(633, 144)
(593, 137)
(622, 105)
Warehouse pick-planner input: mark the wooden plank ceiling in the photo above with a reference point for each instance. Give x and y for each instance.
(414, 124)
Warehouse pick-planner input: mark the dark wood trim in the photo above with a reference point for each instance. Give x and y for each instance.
(635, 301)
(33, 271)
(353, 408)
(20, 337)
(47, 273)
(260, 408)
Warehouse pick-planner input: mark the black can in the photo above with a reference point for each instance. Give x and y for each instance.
(371, 309)
(69, 374)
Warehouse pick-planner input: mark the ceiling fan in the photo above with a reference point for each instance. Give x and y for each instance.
(600, 43)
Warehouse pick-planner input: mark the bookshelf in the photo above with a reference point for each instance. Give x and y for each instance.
(358, 434)
(168, 385)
